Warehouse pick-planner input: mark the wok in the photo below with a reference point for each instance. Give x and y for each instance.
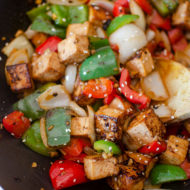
(16, 160)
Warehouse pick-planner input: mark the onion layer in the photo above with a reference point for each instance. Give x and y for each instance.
(129, 39)
(107, 5)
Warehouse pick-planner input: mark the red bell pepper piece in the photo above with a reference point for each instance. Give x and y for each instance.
(66, 173)
(16, 124)
(123, 3)
(145, 5)
(110, 97)
(186, 167)
(153, 148)
(76, 146)
(79, 159)
(175, 35)
(158, 21)
(180, 45)
(130, 94)
(98, 88)
(118, 10)
(51, 43)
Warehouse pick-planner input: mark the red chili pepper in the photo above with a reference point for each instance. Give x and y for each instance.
(158, 21)
(51, 43)
(186, 167)
(98, 88)
(16, 124)
(154, 148)
(79, 159)
(66, 173)
(180, 45)
(145, 5)
(76, 146)
(175, 35)
(118, 10)
(130, 94)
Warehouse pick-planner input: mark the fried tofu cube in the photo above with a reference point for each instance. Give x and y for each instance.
(81, 126)
(144, 129)
(142, 63)
(85, 29)
(47, 67)
(78, 95)
(98, 16)
(109, 123)
(129, 178)
(19, 77)
(96, 167)
(182, 15)
(176, 151)
(73, 49)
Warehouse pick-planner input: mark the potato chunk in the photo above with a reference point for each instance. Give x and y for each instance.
(73, 49)
(109, 123)
(144, 129)
(85, 29)
(19, 77)
(96, 167)
(142, 63)
(176, 151)
(47, 67)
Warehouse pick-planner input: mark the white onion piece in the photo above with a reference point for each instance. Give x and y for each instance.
(29, 33)
(162, 111)
(129, 39)
(21, 42)
(91, 115)
(153, 87)
(166, 41)
(53, 97)
(100, 32)
(77, 109)
(70, 77)
(43, 132)
(67, 2)
(107, 5)
(136, 10)
(150, 35)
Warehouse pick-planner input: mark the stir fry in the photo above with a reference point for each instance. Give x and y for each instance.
(104, 88)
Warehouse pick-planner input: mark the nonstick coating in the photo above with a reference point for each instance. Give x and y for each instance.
(16, 172)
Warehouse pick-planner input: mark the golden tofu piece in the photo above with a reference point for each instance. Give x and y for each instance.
(85, 29)
(142, 63)
(144, 129)
(19, 77)
(109, 123)
(176, 151)
(96, 167)
(73, 49)
(47, 68)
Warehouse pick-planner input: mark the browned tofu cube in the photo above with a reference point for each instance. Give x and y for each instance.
(85, 29)
(73, 49)
(19, 77)
(47, 67)
(176, 151)
(96, 167)
(142, 63)
(78, 95)
(81, 126)
(182, 15)
(98, 16)
(109, 123)
(129, 178)
(144, 129)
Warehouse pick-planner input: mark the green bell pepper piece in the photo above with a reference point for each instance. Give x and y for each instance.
(33, 13)
(29, 106)
(102, 64)
(97, 43)
(97, 105)
(171, 4)
(162, 173)
(58, 123)
(120, 21)
(107, 147)
(43, 24)
(33, 140)
(161, 7)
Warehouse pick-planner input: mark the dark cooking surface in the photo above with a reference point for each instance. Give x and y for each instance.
(16, 172)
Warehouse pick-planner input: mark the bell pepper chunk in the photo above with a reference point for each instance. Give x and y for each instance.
(161, 7)
(107, 147)
(186, 167)
(102, 64)
(118, 10)
(120, 21)
(163, 173)
(16, 124)
(97, 43)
